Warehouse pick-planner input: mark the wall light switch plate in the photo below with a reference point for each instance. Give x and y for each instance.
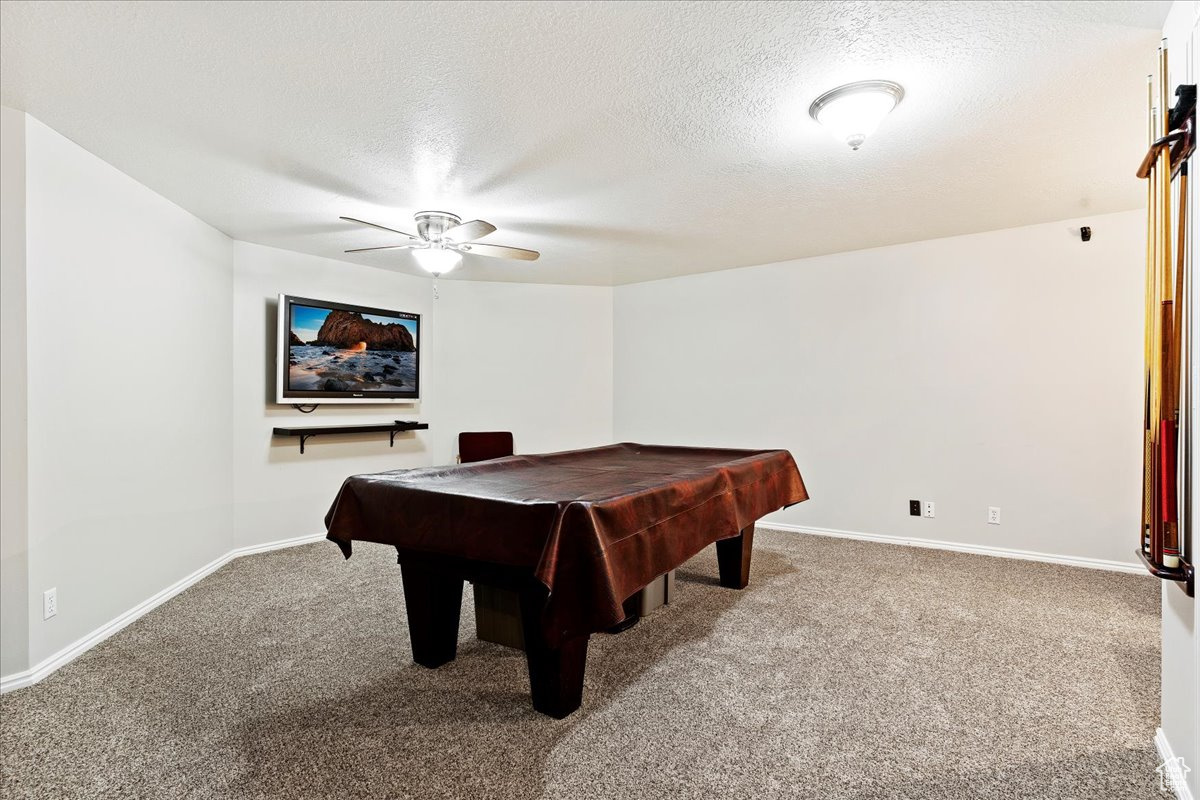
(914, 508)
(929, 509)
(49, 603)
(993, 515)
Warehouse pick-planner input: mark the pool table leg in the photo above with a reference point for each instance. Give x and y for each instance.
(433, 603)
(733, 559)
(555, 673)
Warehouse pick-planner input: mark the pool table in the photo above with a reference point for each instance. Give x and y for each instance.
(574, 533)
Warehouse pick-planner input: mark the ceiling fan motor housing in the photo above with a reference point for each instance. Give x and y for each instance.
(432, 224)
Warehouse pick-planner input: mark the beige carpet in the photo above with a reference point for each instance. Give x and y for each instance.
(288, 675)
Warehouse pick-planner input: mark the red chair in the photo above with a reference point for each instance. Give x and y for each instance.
(481, 446)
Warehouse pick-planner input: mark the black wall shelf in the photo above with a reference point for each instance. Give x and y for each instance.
(307, 432)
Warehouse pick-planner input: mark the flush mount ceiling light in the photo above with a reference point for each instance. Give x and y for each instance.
(853, 112)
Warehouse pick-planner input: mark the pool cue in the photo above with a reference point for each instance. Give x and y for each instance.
(1185, 427)
(1154, 325)
(1154, 365)
(1164, 406)
(1169, 435)
(1152, 168)
(1147, 436)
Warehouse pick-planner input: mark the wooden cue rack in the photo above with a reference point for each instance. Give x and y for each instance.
(1165, 540)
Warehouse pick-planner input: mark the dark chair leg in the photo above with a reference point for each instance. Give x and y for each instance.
(733, 559)
(555, 674)
(433, 602)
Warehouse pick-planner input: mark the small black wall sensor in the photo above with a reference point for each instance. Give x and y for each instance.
(1085, 233)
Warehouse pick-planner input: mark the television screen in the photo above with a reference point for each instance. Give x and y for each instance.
(339, 353)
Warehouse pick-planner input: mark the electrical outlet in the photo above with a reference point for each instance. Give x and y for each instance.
(993, 515)
(914, 508)
(49, 603)
(929, 509)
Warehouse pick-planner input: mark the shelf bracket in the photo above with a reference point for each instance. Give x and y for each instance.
(304, 437)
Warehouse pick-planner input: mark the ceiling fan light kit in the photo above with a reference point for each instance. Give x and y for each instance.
(437, 260)
(853, 112)
(442, 238)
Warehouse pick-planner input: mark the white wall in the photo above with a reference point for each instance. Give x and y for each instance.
(129, 341)
(995, 369)
(1181, 614)
(14, 539)
(279, 493)
(533, 359)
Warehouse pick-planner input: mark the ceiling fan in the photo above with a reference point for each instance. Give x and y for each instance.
(442, 238)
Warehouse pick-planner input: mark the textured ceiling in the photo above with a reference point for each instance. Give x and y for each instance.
(626, 141)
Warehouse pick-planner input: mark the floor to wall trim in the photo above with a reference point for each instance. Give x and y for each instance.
(1167, 754)
(69, 653)
(72, 651)
(978, 549)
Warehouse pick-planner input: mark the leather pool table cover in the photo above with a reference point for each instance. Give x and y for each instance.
(594, 526)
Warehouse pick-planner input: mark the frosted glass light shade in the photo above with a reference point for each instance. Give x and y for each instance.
(437, 260)
(853, 112)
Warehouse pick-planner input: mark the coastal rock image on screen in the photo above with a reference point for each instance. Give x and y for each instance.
(344, 351)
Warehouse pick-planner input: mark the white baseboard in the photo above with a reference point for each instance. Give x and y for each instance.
(70, 652)
(1165, 754)
(978, 549)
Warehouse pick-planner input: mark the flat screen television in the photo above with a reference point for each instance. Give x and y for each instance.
(339, 353)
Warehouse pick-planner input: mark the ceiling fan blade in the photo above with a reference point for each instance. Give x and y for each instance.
(469, 231)
(499, 251)
(373, 225)
(385, 247)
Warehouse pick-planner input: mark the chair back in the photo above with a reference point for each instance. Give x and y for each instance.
(484, 445)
